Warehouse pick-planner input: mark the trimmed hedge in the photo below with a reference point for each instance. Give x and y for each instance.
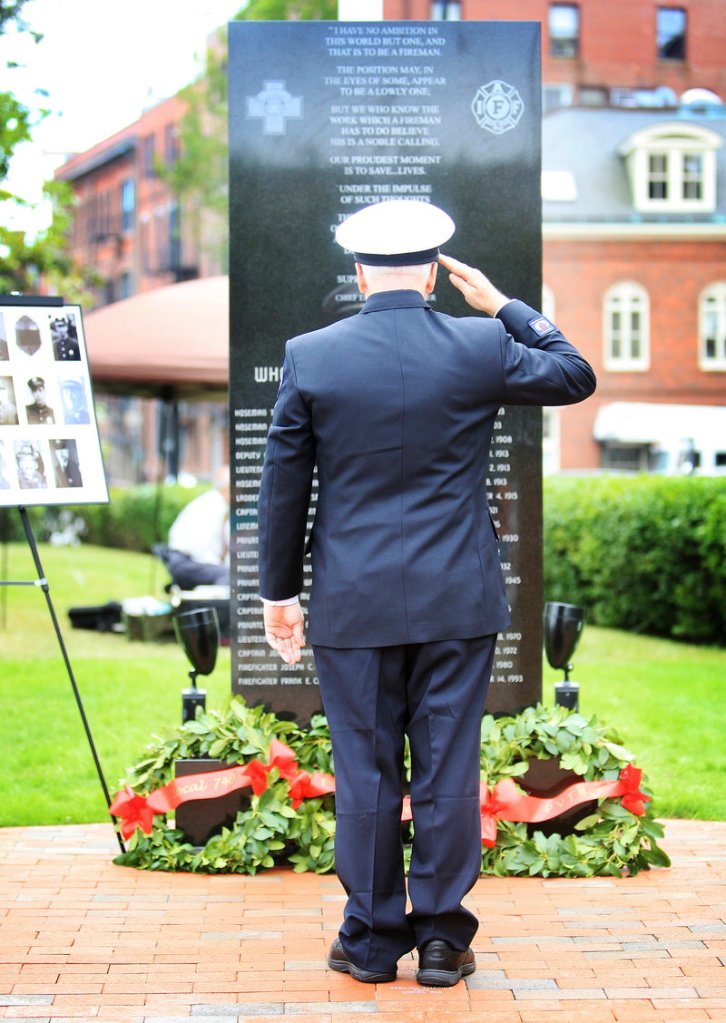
(641, 553)
(134, 519)
(644, 553)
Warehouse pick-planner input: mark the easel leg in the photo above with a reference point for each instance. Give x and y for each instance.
(43, 583)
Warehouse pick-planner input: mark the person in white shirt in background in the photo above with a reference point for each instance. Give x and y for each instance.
(198, 549)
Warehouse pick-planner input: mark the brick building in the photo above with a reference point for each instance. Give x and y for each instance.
(131, 229)
(128, 225)
(634, 220)
(595, 53)
(635, 271)
(634, 210)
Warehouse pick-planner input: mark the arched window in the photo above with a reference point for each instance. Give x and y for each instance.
(712, 327)
(626, 327)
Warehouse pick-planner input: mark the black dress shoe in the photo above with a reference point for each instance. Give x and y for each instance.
(440, 965)
(338, 960)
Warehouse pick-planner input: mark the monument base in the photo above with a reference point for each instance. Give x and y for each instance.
(199, 819)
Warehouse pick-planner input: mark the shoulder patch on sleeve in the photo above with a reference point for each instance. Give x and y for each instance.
(541, 325)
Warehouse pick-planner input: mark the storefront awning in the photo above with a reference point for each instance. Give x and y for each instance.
(625, 422)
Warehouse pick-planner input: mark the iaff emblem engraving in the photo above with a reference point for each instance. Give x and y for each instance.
(497, 107)
(274, 104)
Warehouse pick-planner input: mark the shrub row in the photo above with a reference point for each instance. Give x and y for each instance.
(134, 519)
(645, 553)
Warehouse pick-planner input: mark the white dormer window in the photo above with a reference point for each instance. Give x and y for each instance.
(626, 328)
(672, 168)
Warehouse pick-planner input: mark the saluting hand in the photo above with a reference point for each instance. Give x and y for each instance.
(476, 288)
(285, 630)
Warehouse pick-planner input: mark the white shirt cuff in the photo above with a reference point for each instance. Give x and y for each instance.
(279, 603)
(504, 303)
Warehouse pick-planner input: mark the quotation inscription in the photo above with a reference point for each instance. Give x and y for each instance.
(380, 105)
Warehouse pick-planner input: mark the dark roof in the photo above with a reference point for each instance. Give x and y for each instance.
(117, 151)
(587, 143)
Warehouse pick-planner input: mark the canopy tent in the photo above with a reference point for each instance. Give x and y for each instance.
(657, 423)
(171, 342)
(677, 438)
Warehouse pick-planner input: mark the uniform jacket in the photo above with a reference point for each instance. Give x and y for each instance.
(395, 407)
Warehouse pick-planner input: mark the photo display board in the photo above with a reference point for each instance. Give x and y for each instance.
(50, 453)
(326, 118)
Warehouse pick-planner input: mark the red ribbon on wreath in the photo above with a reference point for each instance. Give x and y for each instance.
(504, 801)
(133, 811)
(137, 811)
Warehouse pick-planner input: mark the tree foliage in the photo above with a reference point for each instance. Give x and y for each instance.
(199, 177)
(290, 10)
(14, 129)
(15, 117)
(11, 14)
(25, 260)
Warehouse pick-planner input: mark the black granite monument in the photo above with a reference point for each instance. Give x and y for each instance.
(326, 118)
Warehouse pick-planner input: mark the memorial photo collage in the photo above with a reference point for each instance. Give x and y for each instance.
(48, 437)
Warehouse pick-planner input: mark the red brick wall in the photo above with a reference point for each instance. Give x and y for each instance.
(617, 40)
(674, 273)
(109, 254)
(153, 197)
(121, 253)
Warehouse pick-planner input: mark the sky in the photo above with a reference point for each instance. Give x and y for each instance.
(102, 62)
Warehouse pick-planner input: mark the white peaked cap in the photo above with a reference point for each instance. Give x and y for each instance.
(396, 232)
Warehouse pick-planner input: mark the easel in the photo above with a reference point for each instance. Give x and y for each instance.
(41, 581)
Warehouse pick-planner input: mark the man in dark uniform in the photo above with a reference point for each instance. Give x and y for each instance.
(66, 468)
(65, 339)
(38, 411)
(395, 407)
(8, 409)
(73, 398)
(31, 470)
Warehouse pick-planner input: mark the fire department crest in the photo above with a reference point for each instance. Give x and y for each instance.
(497, 107)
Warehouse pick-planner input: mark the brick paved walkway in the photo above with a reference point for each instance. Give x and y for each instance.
(83, 939)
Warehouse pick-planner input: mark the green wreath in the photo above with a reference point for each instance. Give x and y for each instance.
(610, 840)
(269, 832)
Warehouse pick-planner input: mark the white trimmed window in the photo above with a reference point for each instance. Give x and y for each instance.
(626, 328)
(550, 441)
(671, 25)
(563, 21)
(441, 10)
(672, 168)
(712, 327)
(550, 416)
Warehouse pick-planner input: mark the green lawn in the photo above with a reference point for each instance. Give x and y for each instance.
(666, 699)
(130, 689)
